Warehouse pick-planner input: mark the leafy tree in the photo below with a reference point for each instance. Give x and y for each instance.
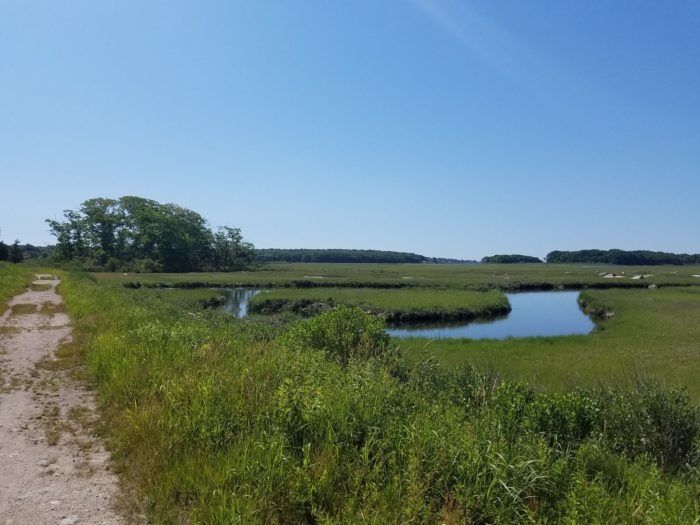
(101, 219)
(16, 254)
(634, 257)
(230, 252)
(338, 256)
(4, 252)
(70, 236)
(510, 259)
(143, 235)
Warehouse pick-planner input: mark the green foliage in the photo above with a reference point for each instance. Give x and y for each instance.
(214, 420)
(635, 257)
(16, 253)
(652, 421)
(394, 305)
(337, 256)
(565, 420)
(137, 234)
(13, 280)
(343, 333)
(510, 259)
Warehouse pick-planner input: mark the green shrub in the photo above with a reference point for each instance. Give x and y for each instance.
(509, 408)
(564, 419)
(653, 421)
(343, 333)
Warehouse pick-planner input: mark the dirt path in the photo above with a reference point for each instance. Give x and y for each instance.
(53, 470)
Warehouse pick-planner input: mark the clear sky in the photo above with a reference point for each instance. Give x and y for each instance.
(443, 127)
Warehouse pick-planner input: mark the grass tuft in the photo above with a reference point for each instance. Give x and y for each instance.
(23, 309)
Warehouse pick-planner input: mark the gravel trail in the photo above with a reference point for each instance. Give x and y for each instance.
(53, 468)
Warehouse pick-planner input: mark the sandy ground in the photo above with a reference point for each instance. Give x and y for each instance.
(53, 469)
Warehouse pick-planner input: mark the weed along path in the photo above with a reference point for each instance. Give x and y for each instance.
(53, 470)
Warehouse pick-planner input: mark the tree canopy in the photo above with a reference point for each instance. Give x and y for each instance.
(13, 253)
(137, 234)
(634, 257)
(337, 256)
(510, 258)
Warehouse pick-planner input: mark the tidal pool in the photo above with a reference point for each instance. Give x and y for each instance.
(533, 314)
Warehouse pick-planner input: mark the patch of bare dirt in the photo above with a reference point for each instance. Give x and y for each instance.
(53, 468)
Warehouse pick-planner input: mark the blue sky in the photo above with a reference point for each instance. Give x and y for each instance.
(442, 127)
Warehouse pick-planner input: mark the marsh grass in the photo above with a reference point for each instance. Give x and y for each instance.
(509, 277)
(214, 420)
(395, 306)
(653, 334)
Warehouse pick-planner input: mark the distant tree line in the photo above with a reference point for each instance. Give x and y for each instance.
(447, 260)
(137, 234)
(12, 253)
(510, 259)
(634, 257)
(337, 256)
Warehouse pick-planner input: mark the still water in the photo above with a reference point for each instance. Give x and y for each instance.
(532, 314)
(237, 301)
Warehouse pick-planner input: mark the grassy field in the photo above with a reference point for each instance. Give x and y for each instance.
(275, 420)
(215, 420)
(654, 333)
(394, 305)
(475, 276)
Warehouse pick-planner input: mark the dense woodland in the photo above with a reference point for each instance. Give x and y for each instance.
(337, 256)
(510, 259)
(635, 257)
(137, 234)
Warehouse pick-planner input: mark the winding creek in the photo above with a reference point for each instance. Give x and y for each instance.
(533, 314)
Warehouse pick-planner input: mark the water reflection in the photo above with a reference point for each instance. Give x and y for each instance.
(533, 314)
(237, 301)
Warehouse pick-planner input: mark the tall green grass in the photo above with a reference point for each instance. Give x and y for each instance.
(13, 280)
(212, 420)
